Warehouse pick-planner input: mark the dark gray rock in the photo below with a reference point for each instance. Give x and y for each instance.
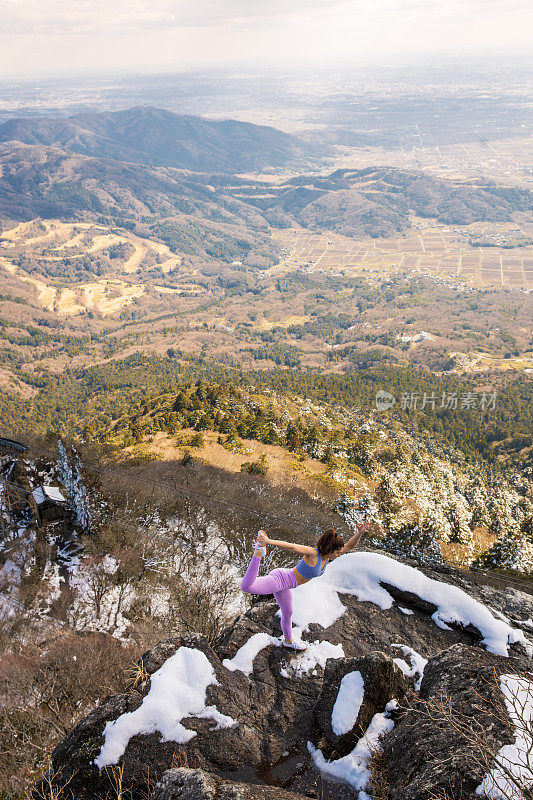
(195, 784)
(383, 681)
(277, 715)
(436, 747)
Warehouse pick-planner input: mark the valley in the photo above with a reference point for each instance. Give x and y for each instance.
(451, 253)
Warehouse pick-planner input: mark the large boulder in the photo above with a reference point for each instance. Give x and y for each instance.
(278, 701)
(380, 681)
(148, 754)
(444, 740)
(195, 784)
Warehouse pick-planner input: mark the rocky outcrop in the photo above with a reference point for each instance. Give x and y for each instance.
(444, 738)
(195, 784)
(284, 701)
(383, 681)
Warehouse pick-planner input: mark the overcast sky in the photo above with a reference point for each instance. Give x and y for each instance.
(42, 36)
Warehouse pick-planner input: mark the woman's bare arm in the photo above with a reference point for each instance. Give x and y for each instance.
(355, 539)
(303, 549)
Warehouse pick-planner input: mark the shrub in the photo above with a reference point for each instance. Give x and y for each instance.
(256, 467)
(187, 458)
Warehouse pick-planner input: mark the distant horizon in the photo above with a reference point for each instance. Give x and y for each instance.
(505, 57)
(41, 39)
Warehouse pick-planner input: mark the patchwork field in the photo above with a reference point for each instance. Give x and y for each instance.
(448, 152)
(428, 248)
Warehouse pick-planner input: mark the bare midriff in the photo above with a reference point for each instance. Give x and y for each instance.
(299, 578)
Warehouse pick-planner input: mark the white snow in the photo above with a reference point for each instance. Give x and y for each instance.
(417, 663)
(243, 660)
(54, 584)
(348, 703)
(317, 654)
(16, 561)
(514, 758)
(499, 614)
(51, 492)
(359, 574)
(10, 577)
(353, 768)
(406, 611)
(177, 690)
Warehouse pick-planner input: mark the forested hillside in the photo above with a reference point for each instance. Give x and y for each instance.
(147, 135)
(103, 401)
(377, 202)
(121, 169)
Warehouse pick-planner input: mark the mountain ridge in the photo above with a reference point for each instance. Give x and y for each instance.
(156, 137)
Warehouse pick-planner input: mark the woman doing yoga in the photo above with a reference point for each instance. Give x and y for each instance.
(280, 582)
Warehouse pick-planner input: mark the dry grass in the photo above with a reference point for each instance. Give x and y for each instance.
(285, 468)
(379, 784)
(45, 688)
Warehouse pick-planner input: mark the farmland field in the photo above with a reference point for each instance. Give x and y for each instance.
(432, 249)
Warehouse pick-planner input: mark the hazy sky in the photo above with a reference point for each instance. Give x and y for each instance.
(42, 36)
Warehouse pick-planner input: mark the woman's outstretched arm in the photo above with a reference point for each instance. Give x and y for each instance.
(355, 539)
(303, 549)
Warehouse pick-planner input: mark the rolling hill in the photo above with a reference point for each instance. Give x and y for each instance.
(147, 135)
(176, 179)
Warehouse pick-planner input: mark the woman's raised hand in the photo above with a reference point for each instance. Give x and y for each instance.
(364, 526)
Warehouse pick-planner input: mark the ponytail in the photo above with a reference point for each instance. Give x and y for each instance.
(329, 542)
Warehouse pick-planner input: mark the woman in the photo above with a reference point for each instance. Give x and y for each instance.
(279, 582)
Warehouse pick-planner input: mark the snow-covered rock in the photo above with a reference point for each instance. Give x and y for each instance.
(245, 702)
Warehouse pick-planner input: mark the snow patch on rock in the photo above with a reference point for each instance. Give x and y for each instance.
(316, 655)
(243, 660)
(177, 690)
(416, 666)
(348, 703)
(353, 768)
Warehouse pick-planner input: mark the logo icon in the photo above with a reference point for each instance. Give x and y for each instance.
(384, 400)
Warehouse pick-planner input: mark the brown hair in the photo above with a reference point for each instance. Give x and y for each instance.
(329, 542)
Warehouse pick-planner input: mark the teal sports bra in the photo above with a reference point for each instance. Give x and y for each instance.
(311, 572)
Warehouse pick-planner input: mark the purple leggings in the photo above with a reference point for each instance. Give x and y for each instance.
(279, 582)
